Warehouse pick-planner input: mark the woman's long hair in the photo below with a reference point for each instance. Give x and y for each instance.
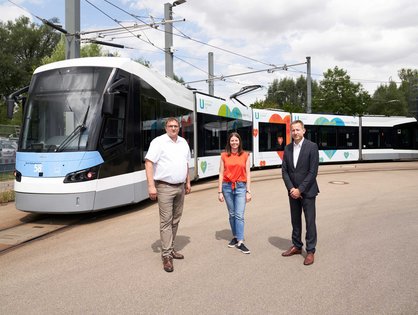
(228, 143)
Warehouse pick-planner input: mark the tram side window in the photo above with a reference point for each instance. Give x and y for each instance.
(166, 111)
(149, 124)
(115, 123)
(183, 115)
(415, 138)
(186, 127)
(272, 137)
(347, 137)
(244, 129)
(211, 134)
(311, 133)
(376, 138)
(403, 138)
(327, 137)
(153, 116)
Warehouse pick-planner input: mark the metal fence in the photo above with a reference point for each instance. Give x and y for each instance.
(9, 135)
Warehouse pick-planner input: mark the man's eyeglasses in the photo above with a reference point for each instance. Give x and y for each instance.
(172, 126)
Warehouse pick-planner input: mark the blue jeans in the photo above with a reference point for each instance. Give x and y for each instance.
(235, 202)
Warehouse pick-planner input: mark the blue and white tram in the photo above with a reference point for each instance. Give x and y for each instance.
(215, 120)
(365, 138)
(337, 136)
(88, 122)
(86, 125)
(388, 138)
(271, 133)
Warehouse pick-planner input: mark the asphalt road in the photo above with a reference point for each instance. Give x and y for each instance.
(366, 260)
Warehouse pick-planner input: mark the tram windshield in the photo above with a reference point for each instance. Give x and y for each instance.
(61, 107)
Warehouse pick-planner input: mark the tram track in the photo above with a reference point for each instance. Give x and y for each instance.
(37, 226)
(23, 233)
(45, 225)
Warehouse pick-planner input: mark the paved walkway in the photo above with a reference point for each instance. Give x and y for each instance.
(365, 262)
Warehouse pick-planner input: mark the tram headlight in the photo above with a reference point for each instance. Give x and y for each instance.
(82, 176)
(17, 175)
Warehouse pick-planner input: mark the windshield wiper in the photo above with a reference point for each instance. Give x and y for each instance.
(78, 130)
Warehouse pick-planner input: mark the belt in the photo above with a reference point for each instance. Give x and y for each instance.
(233, 184)
(163, 182)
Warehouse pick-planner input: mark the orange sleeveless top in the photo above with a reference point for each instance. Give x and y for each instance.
(234, 167)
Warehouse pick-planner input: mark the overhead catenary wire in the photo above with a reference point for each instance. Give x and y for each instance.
(45, 21)
(183, 35)
(192, 39)
(60, 29)
(149, 42)
(189, 38)
(284, 67)
(119, 23)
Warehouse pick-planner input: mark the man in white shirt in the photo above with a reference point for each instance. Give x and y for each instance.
(167, 170)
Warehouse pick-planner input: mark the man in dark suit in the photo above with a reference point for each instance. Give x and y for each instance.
(299, 171)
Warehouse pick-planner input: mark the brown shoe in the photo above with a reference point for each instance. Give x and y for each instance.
(309, 260)
(168, 263)
(177, 255)
(292, 251)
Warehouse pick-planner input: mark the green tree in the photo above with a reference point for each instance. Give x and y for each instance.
(86, 50)
(409, 88)
(95, 50)
(338, 95)
(288, 95)
(388, 100)
(144, 62)
(178, 79)
(263, 104)
(23, 46)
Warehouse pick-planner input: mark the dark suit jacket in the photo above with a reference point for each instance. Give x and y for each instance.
(304, 175)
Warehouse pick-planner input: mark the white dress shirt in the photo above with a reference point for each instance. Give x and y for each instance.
(296, 152)
(171, 159)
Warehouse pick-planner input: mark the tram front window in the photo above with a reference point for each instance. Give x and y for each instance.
(61, 107)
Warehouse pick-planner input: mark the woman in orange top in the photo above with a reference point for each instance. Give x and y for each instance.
(234, 187)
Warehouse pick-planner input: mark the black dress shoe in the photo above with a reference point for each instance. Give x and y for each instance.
(168, 263)
(177, 255)
(292, 251)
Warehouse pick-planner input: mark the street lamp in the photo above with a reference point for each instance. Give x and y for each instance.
(168, 28)
(178, 2)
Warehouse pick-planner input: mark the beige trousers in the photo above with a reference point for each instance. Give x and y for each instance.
(170, 203)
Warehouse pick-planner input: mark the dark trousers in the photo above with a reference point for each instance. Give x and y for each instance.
(309, 210)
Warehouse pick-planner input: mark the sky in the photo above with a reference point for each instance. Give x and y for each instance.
(371, 40)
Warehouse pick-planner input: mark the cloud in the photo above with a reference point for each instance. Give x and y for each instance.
(371, 39)
(10, 12)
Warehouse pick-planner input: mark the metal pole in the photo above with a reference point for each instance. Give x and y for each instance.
(309, 86)
(72, 25)
(211, 84)
(360, 138)
(168, 28)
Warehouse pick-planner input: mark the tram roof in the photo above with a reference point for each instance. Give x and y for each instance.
(382, 121)
(171, 90)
